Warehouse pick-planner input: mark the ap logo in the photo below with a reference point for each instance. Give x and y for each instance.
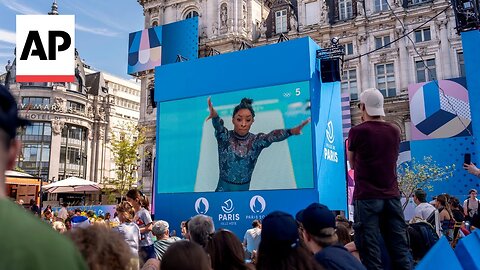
(329, 132)
(45, 48)
(201, 206)
(257, 204)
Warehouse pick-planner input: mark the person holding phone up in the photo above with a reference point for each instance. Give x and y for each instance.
(469, 166)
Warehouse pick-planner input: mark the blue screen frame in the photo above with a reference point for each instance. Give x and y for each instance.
(274, 65)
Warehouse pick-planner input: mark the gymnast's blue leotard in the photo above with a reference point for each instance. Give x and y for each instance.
(237, 155)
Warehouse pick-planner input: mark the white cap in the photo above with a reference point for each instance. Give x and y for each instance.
(373, 100)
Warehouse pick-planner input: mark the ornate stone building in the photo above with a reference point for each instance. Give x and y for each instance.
(389, 44)
(72, 123)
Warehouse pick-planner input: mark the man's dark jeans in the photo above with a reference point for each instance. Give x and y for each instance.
(376, 218)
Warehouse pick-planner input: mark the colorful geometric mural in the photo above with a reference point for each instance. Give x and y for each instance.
(162, 44)
(144, 49)
(439, 109)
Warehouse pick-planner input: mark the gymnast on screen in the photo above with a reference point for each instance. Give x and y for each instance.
(238, 149)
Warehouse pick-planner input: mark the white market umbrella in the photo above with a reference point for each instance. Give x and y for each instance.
(72, 184)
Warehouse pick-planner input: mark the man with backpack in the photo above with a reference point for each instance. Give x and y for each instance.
(471, 209)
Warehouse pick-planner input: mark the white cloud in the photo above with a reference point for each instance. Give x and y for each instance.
(6, 55)
(19, 8)
(97, 15)
(96, 31)
(7, 36)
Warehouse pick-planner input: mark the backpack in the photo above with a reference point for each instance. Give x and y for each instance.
(422, 237)
(468, 209)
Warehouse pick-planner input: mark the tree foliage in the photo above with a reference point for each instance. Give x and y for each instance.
(417, 174)
(125, 147)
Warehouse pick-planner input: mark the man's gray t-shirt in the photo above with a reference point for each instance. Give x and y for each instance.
(252, 238)
(144, 218)
(162, 245)
(131, 234)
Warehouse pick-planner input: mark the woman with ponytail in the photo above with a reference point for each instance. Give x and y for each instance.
(238, 149)
(445, 216)
(143, 219)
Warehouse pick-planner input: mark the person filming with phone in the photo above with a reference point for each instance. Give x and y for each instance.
(469, 166)
(471, 204)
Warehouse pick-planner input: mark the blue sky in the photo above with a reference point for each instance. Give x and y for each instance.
(102, 28)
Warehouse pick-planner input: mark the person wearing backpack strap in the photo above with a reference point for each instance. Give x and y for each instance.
(470, 205)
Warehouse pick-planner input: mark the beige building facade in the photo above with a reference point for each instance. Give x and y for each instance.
(389, 44)
(72, 123)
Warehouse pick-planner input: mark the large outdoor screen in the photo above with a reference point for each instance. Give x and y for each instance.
(266, 158)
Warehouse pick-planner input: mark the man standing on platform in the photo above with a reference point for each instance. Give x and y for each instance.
(372, 153)
(27, 242)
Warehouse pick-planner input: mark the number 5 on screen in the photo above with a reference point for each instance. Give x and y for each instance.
(297, 92)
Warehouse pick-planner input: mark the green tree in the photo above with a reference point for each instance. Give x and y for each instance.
(414, 174)
(125, 148)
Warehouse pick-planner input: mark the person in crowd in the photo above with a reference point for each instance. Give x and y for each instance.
(77, 212)
(472, 169)
(252, 237)
(187, 233)
(457, 210)
(343, 234)
(48, 216)
(471, 206)
(280, 248)
(201, 229)
(161, 231)
(68, 223)
(373, 152)
(320, 238)
(108, 216)
(185, 255)
(445, 217)
(102, 248)
(151, 264)
(144, 222)
(91, 216)
(34, 207)
(226, 251)
(127, 228)
(238, 149)
(59, 226)
(342, 221)
(27, 242)
(423, 210)
(63, 212)
(80, 222)
(183, 229)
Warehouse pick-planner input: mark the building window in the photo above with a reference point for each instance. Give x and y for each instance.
(381, 5)
(349, 83)
(191, 14)
(385, 79)
(281, 21)
(346, 9)
(73, 152)
(382, 42)
(423, 35)
(414, 2)
(426, 71)
(35, 103)
(312, 13)
(461, 64)
(35, 153)
(75, 106)
(349, 48)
